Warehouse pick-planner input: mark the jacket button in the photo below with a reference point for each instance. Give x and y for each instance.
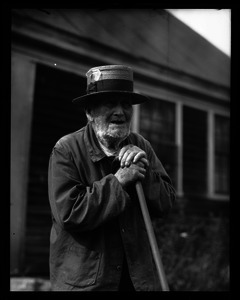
(118, 267)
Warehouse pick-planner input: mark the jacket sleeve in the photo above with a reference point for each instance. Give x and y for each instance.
(78, 207)
(159, 192)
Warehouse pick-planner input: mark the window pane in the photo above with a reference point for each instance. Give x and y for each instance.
(194, 151)
(221, 136)
(157, 125)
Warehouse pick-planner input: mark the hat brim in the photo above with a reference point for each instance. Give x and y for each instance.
(86, 100)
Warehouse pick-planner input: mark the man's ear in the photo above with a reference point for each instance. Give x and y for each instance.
(88, 114)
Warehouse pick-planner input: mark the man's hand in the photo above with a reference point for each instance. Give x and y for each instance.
(133, 173)
(132, 154)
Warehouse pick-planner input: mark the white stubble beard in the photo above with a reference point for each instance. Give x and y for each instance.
(109, 137)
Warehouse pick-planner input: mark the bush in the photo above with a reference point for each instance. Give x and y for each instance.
(195, 251)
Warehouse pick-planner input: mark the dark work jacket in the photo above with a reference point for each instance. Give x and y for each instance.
(96, 220)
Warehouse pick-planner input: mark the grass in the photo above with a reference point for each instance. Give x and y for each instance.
(195, 251)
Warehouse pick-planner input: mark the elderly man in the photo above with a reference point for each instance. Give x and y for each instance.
(98, 238)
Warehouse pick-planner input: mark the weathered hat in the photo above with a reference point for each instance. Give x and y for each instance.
(110, 80)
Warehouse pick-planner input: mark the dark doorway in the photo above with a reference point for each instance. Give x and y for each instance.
(194, 151)
(53, 116)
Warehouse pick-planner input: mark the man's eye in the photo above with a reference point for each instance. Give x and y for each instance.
(126, 104)
(109, 104)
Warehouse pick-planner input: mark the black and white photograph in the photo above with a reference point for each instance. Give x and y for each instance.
(120, 150)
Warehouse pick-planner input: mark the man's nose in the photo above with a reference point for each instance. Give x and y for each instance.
(118, 109)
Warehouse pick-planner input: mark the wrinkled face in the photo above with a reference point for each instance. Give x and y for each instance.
(111, 119)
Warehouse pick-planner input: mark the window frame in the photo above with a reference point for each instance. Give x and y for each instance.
(211, 157)
(211, 112)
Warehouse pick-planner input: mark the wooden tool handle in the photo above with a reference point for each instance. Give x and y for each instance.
(152, 238)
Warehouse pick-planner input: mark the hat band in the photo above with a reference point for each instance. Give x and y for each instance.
(110, 85)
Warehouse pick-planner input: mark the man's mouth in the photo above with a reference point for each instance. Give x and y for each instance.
(118, 122)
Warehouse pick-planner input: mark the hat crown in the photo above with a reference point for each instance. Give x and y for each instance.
(110, 72)
(109, 81)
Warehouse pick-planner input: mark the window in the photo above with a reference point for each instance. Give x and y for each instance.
(221, 155)
(194, 151)
(157, 125)
(201, 168)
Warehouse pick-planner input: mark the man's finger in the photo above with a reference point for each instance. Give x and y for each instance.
(124, 157)
(129, 158)
(138, 156)
(140, 164)
(123, 150)
(144, 161)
